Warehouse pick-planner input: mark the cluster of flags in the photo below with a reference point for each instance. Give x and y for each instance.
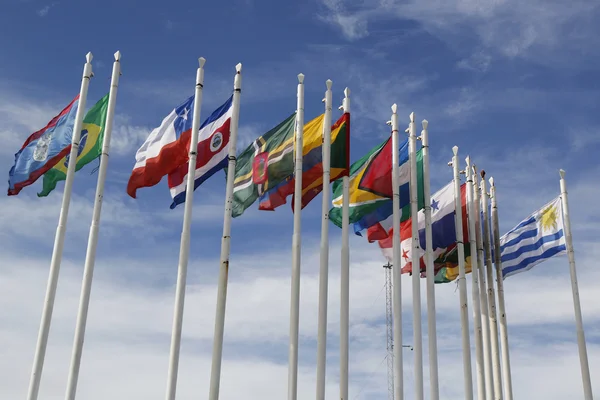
(369, 194)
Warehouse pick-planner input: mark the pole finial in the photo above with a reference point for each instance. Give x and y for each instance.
(238, 68)
(394, 108)
(482, 173)
(300, 78)
(412, 117)
(455, 150)
(201, 62)
(562, 173)
(347, 92)
(89, 57)
(468, 161)
(491, 181)
(328, 83)
(118, 56)
(425, 124)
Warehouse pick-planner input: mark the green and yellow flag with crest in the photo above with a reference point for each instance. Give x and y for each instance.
(90, 146)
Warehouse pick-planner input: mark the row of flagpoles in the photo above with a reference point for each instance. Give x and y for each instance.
(492, 361)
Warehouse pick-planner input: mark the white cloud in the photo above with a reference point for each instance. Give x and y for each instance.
(126, 138)
(509, 27)
(42, 12)
(130, 322)
(478, 61)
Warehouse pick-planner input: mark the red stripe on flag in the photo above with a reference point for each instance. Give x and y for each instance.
(204, 154)
(40, 171)
(168, 159)
(51, 124)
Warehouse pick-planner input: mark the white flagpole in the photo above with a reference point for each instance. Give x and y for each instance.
(583, 358)
(416, 259)
(59, 240)
(472, 217)
(507, 378)
(324, 268)
(184, 248)
(491, 295)
(487, 354)
(215, 376)
(397, 271)
(462, 283)
(430, 271)
(90, 257)
(345, 275)
(296, 248)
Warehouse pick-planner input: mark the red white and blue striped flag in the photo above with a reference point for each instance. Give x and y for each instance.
(166, 150)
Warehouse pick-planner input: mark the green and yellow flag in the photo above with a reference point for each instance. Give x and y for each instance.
(267, 162)
(90, 146)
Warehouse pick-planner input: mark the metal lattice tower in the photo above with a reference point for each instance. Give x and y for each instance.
(389, 330)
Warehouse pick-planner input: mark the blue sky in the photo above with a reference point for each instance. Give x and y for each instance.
(513, 84)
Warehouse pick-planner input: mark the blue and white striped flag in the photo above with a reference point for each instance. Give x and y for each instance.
(536, 239)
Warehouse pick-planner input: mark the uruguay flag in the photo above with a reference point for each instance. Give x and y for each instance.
(535, 239)
(43, 149)
(166, 150)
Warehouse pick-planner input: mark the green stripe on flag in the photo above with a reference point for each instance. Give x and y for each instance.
(90, 146)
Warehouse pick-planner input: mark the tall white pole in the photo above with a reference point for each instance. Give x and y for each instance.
(583, 358)
(184, 248)
(485, 322)
(215, 376)
(59, 239)
(324, 267)
(416, 259)
(345, 275)
(296, 247)
(490, 291)
(472, 217)
(462, 283)
(506, 375)
(430, 270)
(397, 270)
(90, 257)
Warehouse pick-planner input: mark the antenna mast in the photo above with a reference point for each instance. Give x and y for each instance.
(389, 330)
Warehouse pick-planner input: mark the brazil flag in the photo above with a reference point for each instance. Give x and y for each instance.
(90, 146)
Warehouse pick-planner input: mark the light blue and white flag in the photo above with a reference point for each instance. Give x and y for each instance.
(536, 239)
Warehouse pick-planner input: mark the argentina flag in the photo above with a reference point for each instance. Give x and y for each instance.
(535, 239)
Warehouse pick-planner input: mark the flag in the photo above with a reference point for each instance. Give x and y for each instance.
(90, 146)
(212, 155)
(535, 239)
(166, 150)
(263, 165)
(43, 149)
(369, 201)
(443, 228)
(312, 163)
(371, 222)
(446, 265)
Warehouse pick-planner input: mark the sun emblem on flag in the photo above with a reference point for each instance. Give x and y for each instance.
(548, 218)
